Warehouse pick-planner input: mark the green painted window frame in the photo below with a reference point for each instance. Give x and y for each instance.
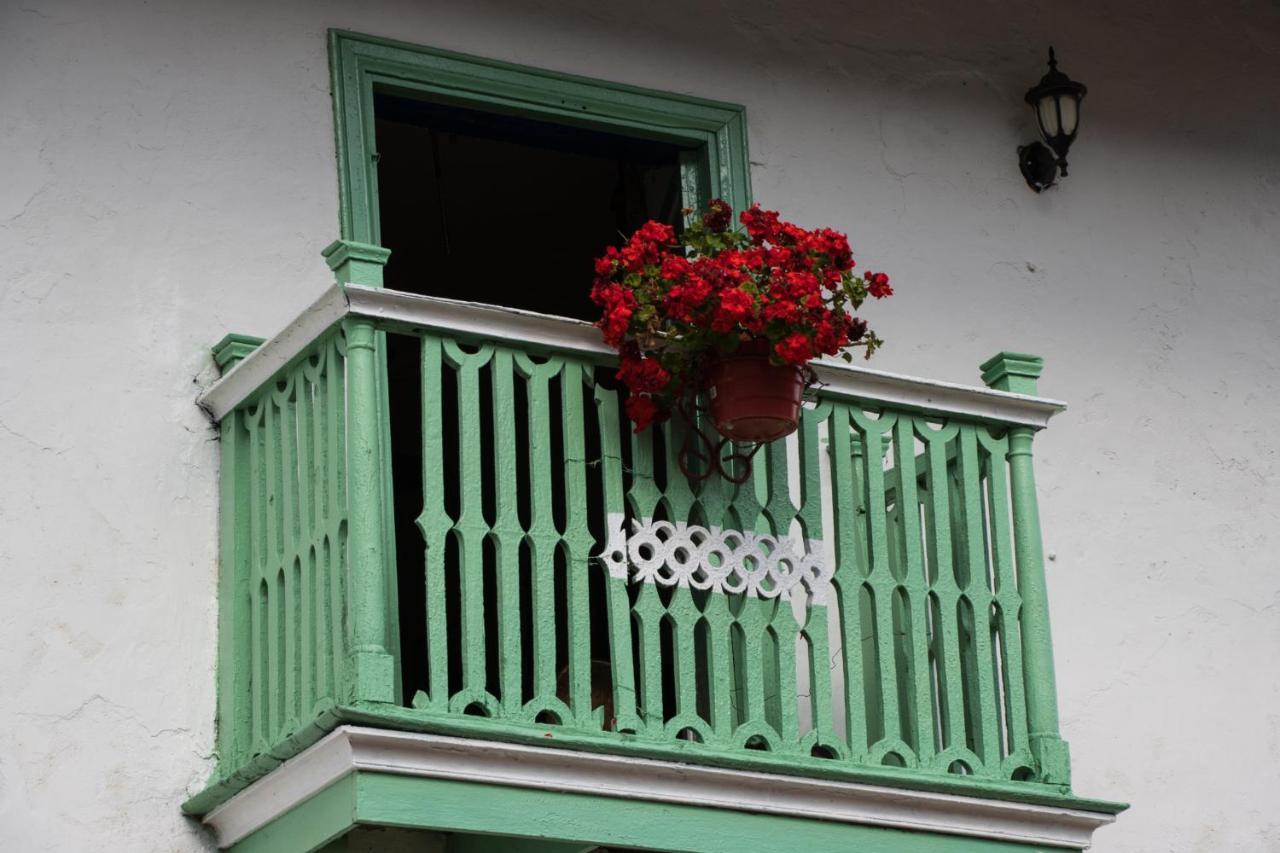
(714, 131)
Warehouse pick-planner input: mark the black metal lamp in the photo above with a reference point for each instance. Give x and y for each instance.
(1056, 100)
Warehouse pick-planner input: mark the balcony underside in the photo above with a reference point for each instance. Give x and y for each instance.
(360, 776)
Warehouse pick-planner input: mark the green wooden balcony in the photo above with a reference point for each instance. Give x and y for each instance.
(435, 520)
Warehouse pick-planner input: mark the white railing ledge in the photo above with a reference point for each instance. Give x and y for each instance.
(489, 322)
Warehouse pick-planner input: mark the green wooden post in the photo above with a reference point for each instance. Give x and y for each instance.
(1017, 373)
(234, 600)
(373, 603)
(372, 625)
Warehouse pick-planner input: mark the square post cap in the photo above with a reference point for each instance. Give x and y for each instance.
(356, 263)
(1012, 371)
(229, 351)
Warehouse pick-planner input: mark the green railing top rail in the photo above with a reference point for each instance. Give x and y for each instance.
(410, 311)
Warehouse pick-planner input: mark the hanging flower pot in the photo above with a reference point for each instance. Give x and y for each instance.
(753, 400)
(738, 313)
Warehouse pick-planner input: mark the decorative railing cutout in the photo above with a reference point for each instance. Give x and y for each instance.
(734, 562)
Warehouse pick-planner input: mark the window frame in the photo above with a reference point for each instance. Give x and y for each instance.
(716, 165)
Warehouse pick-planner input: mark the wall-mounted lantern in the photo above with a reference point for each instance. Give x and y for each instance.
(1056, 100)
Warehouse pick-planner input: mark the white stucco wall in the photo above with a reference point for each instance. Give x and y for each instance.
(168, 175)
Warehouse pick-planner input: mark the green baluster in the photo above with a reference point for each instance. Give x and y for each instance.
(470, 528)
(682, 611)
(577, 542)
(847, 510)
(943, 585)
(986, 711)
(617, 600)
(643, 497)
(543, 538)
(714, 495)
(918, 681)
(507, 532)
(235, 596)
(780, 666)
(881, 580)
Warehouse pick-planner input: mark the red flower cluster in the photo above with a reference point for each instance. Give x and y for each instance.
(668, 304)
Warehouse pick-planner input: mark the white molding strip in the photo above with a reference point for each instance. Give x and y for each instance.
(411, 310)
(478, 320)
(838, 379)
(257, 368)
(349, 749)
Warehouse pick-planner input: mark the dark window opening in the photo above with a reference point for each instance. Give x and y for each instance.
(508, 210)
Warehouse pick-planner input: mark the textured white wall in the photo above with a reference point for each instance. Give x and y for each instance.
(168, 175)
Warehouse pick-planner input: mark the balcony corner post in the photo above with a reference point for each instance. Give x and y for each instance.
(1017, 373)
(370, 599)
(353, 262)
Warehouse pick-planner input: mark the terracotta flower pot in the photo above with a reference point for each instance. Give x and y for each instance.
(752, 399)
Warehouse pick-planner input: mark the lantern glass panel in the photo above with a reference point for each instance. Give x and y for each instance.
(1047, 113)
(1069, 109)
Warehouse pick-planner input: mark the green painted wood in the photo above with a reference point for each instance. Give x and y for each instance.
(358, 64)
(944, 591)
(1018, 372)
(543, 537)
(372, 627)
(986, 703)
(681, 611)
(617, 601)
(470, 529)
(1037, 647)
(506, 533)
(643, 497)
(577, 544)
(883, 583)
(1009, 601)
(434, 523)
(235, 586)
(713, 508)
(922, 663)
(848, 509)
(918, 674)
(277, 664)
(780, 636)
(751, 618)
(817, 614)
(309, 826)
(403, 801)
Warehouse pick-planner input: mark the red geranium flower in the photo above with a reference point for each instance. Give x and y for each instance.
(878, 285)
(670, 301)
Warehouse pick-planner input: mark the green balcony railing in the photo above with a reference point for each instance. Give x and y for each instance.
(435, 518)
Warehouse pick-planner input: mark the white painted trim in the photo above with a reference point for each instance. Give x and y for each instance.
(490, 322)
(838, 379)
(352, 748)
(478, 320)
(255, 369)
